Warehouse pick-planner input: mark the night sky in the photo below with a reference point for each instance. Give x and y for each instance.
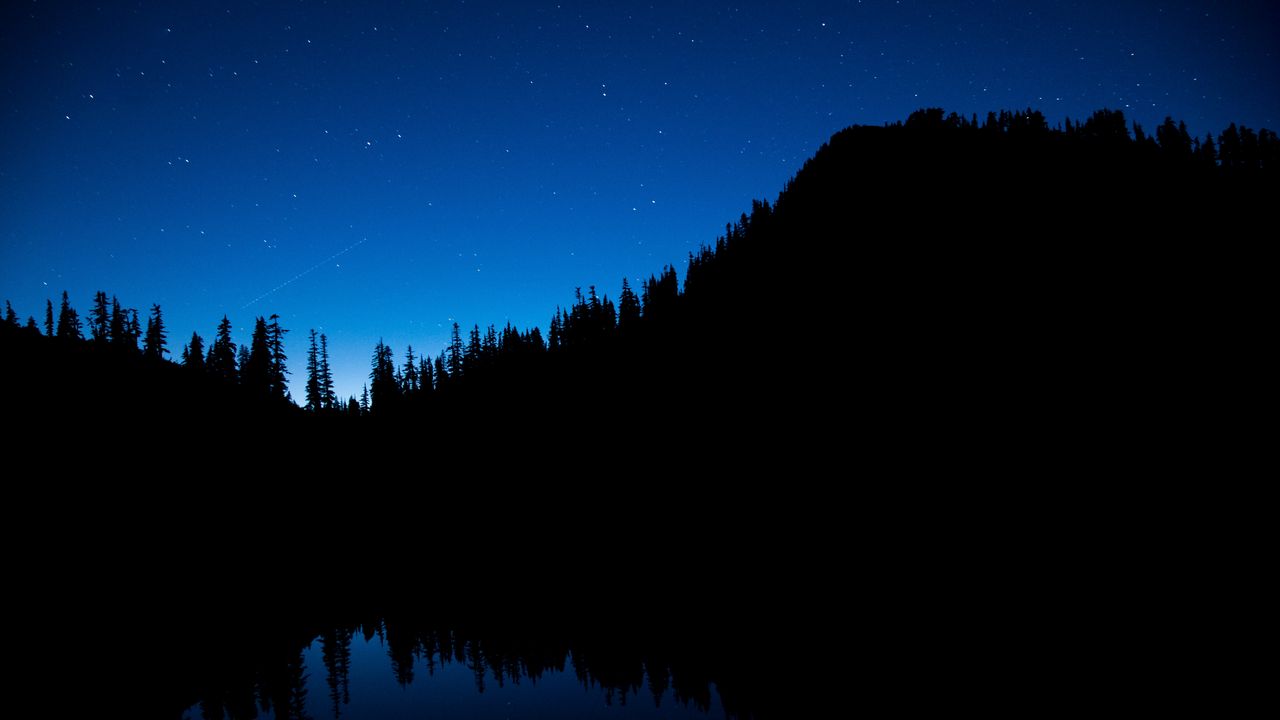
(379, 170)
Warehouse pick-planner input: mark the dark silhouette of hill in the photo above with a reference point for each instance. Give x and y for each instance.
(932, 281)
(923, 303)
(908, 277)
(938, 291)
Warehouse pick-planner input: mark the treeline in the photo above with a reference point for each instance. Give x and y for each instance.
(755, 278)
(640, 661)
(937, 173)
(259, 367)
(485, 355)
(1238, 150)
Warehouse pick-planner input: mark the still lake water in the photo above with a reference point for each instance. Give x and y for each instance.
(360, 675)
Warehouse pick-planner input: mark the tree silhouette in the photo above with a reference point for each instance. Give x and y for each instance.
(1107, 126)
(278, 383)
(327, 397)
(384, 391)
(455, 354)
(193, 353)
(628, 308)
(135, 331)
(555, 332)
(221, 359)
(314, 399)
(255, 370)
(100, 318)
(1229, 149)
(471, 359)
(426, 374)
(410, 383)
(118, 324)
(335, 649)
(442, 374)
(154, 344)
(68, 320)
(48, 318)
(1174, 140)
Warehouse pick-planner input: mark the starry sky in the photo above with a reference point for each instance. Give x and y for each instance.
(382, 169)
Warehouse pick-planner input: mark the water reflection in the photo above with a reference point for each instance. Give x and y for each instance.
(390, 667)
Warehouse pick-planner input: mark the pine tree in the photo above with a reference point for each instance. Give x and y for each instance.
(278, 385)
(154, 344)
(327, 397)
(628, 308)
(221, 360)
(10, 316)
(1207, 153)
(442, 373)
(426, 374)
(1173, 139)
(68, 321)
(242, 360)
(364, 401)
(489, 348)
(471, 359)
(193, 353)
(410, 383)
(48, 318)
(1229, 147)
(31, 324)
(255, 370)
(555, 333)
(134, 330)
(455, 354)
(100, 318)
(118, 324)
(608, 320)
(314, 401)
(384, 390)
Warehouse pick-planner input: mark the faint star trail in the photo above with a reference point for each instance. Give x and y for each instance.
(304, 273)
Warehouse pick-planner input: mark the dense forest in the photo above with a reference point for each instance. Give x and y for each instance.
(967, 213)
(626, 661)
(924, 300)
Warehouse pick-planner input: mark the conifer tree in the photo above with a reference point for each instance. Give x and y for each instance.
(327, 397)
(255, 369)
(100, 318)
(384, 391)
(154, 343)
(119, 323)
(278, 383)
(628, 308)
(455, 354)
(313, 400)
(193, 353)
(221, 359)
(409, 383)
(68, 321)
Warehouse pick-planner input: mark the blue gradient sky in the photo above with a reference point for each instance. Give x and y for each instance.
(380, 169)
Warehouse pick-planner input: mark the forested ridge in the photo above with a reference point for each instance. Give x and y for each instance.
(848, 422)
(875, 246)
